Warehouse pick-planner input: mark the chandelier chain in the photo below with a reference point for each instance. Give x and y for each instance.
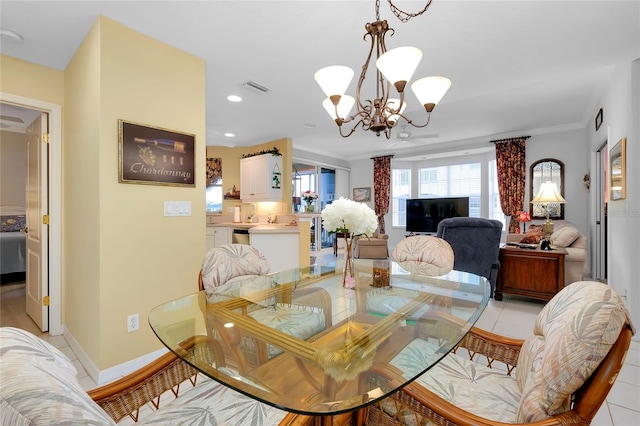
(401, 14)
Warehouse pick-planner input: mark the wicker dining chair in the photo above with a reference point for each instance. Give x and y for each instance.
(241, 270)
(559, 376)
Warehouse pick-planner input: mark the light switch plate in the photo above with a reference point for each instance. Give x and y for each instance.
(177, 208)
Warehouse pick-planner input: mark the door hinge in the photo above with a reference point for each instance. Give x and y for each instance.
(45, 137)
(45, 219)
(45, 301)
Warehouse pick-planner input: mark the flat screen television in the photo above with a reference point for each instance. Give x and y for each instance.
(424, 214)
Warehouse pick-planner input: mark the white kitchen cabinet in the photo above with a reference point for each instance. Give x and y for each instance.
(210, 238)
(280, 250)
(222, 235)
(261, 178)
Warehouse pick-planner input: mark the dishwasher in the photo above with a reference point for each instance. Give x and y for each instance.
(240, 236)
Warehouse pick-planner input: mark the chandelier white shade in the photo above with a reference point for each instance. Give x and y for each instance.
(430, 90)
(399, 64)
(334, 80)
(344, 106)
(393, 105)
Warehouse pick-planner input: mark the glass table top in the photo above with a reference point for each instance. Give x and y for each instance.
(300, 341)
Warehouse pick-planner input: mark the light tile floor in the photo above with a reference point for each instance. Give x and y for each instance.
(513, 316)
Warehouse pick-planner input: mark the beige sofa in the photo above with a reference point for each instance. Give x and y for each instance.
(575, 265)
(374, 247)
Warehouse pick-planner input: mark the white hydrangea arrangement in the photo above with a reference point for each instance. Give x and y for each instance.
(349, 217)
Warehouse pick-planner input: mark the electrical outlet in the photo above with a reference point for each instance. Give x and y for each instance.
(133, 323)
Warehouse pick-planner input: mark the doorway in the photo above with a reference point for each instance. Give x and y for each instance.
(600, 182)
(52, 250)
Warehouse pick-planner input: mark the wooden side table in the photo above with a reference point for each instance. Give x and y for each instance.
(534, 273)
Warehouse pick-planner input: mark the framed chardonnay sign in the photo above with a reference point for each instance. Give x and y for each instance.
(155, 156)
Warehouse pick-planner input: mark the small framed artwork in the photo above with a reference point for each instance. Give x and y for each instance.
(599, 119)
(362, 194)
(617, 170)
(155, 156)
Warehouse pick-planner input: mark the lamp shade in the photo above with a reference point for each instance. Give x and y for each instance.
(399, 64)
(430, 90)
(344, 106)
(524, 217)
(393, 104)
(548, 193)
(334, 80)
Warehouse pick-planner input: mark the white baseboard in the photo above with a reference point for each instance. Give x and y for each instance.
(113, 373)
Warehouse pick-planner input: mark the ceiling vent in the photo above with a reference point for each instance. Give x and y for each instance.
(255, 86)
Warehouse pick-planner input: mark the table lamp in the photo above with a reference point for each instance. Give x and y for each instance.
(524, 217)
(547, 195)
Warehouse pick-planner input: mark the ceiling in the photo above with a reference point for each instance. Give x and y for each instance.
(517, 67)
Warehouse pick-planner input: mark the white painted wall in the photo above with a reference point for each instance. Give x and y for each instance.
(621, 109)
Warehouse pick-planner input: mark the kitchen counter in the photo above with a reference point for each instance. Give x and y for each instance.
(292, 241)
(260, 227)
(274, 228)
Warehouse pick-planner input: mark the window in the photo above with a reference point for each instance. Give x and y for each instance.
(214, 198)
(458, 180)
(495, 210)
(400, 192)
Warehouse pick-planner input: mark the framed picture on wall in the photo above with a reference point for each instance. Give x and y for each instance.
(362, 194)
(155, 156)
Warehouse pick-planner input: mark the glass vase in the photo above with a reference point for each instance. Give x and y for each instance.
(347, 277)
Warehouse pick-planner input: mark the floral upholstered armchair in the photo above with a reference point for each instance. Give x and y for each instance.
(561, 375)
(40, 387)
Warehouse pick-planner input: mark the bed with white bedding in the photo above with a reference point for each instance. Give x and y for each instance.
(13, 240)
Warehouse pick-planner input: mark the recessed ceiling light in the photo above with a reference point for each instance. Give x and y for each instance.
(10, 35)
(310, 126)
(229, 135)
(234, 98)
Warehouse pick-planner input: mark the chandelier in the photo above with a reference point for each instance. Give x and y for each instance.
(395, 67)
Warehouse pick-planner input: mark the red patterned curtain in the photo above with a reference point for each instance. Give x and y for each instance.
(512, 176)
(381, 188)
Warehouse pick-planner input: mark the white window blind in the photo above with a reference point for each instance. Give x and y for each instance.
(400, 191)
(458, 180)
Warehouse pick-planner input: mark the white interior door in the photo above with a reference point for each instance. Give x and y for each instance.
(37, 290)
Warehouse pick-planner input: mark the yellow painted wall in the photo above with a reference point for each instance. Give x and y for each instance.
(29, 80)
(123, 256)
(81, 202)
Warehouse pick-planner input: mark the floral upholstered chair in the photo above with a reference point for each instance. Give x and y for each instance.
(421, 256)
(239, 270)
(561, 375)
(40, 387)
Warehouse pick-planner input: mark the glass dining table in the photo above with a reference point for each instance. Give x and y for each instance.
(300, 341)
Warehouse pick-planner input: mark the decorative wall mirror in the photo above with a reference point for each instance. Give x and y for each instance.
(542, 171)
(617, 169)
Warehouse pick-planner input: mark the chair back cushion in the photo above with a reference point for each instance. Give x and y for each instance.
(429, 255)
(572, 335)
(39, 385)
(223, 264)
(475, 243)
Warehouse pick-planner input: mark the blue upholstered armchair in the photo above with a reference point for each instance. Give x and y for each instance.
(475, 243)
